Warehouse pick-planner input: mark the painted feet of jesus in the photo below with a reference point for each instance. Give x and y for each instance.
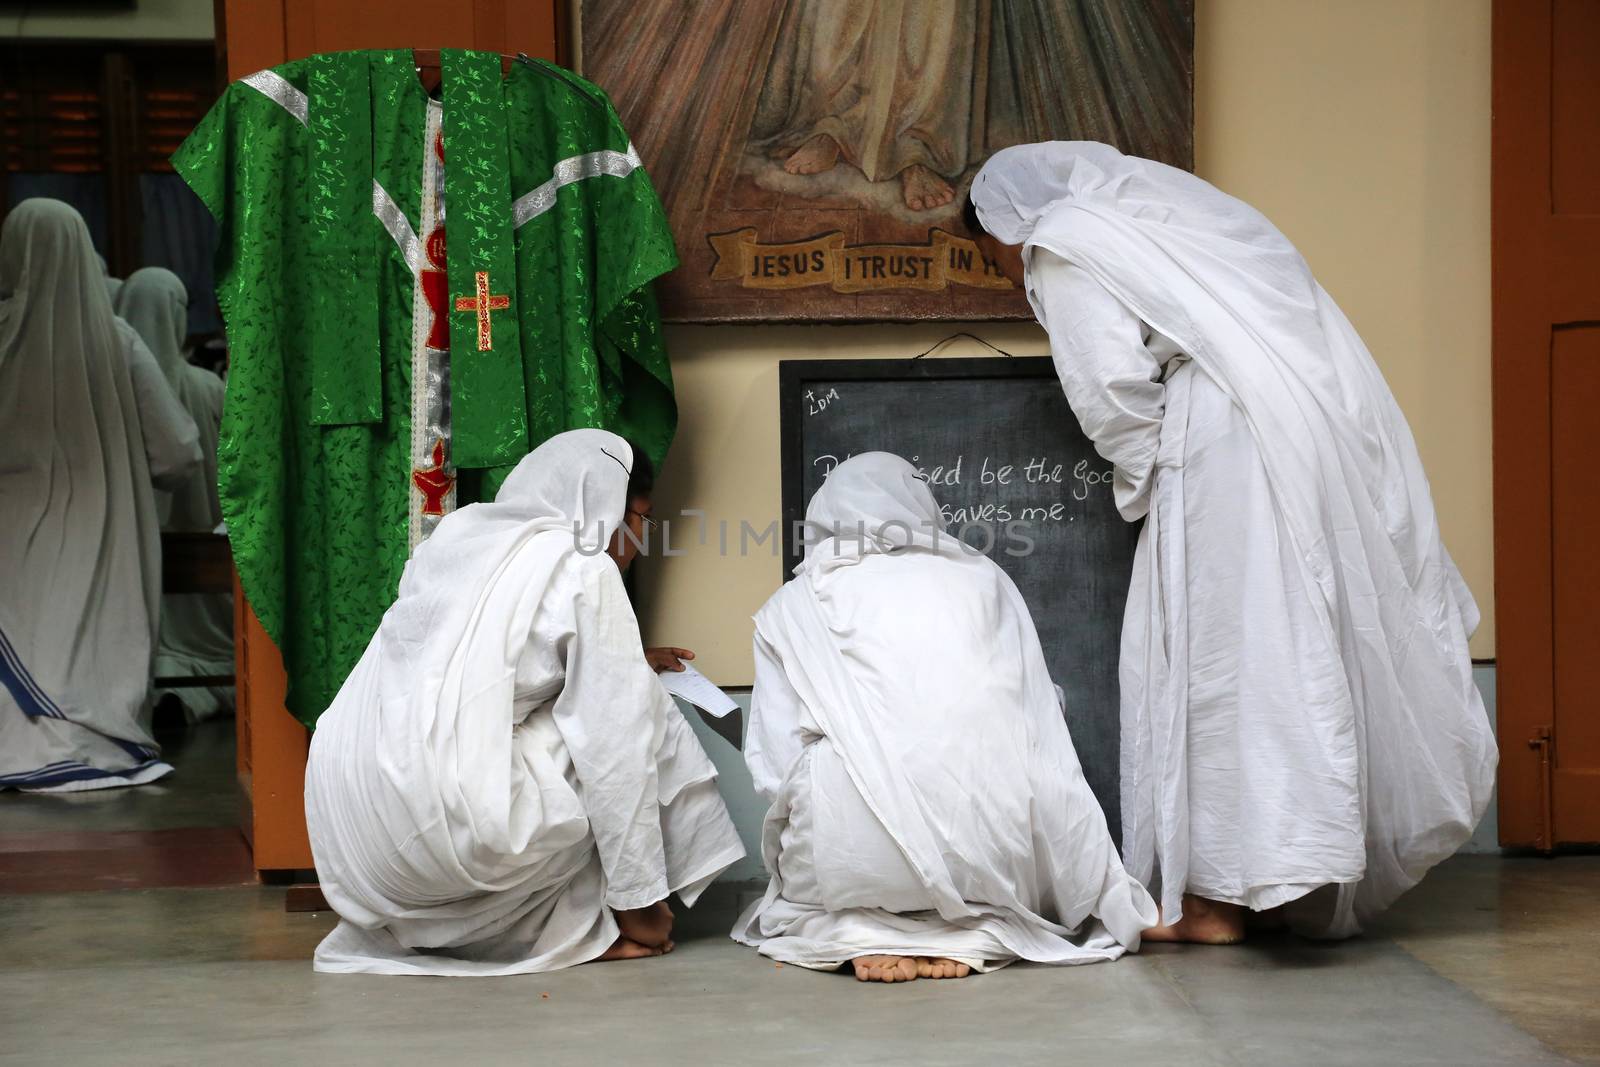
(923, 190)
(920, 188)
(814, 157)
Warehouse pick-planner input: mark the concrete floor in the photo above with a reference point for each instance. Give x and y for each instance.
(1491, 961)
(180, 831)
(203, 790)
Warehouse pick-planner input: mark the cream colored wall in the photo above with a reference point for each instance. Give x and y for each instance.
(1360, 126)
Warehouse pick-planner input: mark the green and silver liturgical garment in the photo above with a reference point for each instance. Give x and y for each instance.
(389, 359)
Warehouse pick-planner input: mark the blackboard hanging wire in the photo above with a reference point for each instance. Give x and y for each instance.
(969, 336)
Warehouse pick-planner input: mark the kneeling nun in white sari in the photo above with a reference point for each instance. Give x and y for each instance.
(502, 786)
(929, 815)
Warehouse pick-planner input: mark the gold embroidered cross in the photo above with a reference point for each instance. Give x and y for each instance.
(483, 303)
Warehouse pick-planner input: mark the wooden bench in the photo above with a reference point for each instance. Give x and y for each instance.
(195, 563)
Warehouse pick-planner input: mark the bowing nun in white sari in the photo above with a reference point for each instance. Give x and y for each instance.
(927, 801)
(90, 429)
(502, 775)
(1299, 720)
(196, 628)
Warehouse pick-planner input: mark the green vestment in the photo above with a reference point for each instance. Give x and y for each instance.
(389, 358)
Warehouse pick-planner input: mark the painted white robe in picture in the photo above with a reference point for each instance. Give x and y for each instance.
(1299, 720)
(926, 799)
(502, 769)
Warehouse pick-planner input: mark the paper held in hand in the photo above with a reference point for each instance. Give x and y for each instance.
(696, 688)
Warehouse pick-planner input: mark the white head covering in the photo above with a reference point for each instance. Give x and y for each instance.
(51, 282)
(873, 502)
(155, 303)
(570, 492)
(1019, 186)
(577, 480)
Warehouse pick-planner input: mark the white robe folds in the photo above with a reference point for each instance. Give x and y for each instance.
(196, 635)
(90, 427)
(1299, 720)
(926, 796)
(502, 768)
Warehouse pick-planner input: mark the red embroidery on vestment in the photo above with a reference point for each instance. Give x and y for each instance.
(483, 303)
(434, 482)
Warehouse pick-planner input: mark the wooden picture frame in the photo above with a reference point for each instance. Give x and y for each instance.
(813, 160)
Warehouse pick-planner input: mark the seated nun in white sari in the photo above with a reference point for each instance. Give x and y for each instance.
(929, 816)
(502, 786)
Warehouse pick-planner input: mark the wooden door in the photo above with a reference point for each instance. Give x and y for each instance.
(1546, 293)
(253, 35)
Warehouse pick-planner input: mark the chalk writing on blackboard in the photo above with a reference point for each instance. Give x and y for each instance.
(817, 403)
(1040, 471)
(1084, 479)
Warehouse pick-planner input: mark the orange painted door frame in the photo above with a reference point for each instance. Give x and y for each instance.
(1546, 300)
(252, 35)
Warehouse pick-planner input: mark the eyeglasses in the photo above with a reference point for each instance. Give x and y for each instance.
(650, 523)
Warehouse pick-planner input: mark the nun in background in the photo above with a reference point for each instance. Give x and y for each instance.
(113, 284)
(90, 427)
(928, 813)
(196, 628)
(502, 786)
(1300, 727)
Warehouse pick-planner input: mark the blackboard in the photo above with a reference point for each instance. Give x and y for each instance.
(963, 422)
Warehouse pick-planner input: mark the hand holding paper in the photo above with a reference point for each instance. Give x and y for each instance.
(697, 689)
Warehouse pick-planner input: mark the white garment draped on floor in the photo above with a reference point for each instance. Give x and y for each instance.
(1298, 709)
(502, 768)
(89, 423)
(926, 796)
(196, 628)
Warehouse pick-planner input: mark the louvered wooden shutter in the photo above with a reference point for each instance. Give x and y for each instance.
(175, 88)
(51, 117)
(114, 108)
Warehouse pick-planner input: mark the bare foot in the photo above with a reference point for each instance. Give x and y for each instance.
(1204, 922)
(815, 156)
(924, 190)
(650, 926)
(939, 967)
(624, 949)
(885, 968)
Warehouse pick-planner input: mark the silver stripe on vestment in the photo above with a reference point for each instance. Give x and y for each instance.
(607, 162)
(394, 220)
(276, 87)
(430, 367)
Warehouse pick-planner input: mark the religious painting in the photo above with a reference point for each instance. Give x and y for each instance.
(813, 155)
